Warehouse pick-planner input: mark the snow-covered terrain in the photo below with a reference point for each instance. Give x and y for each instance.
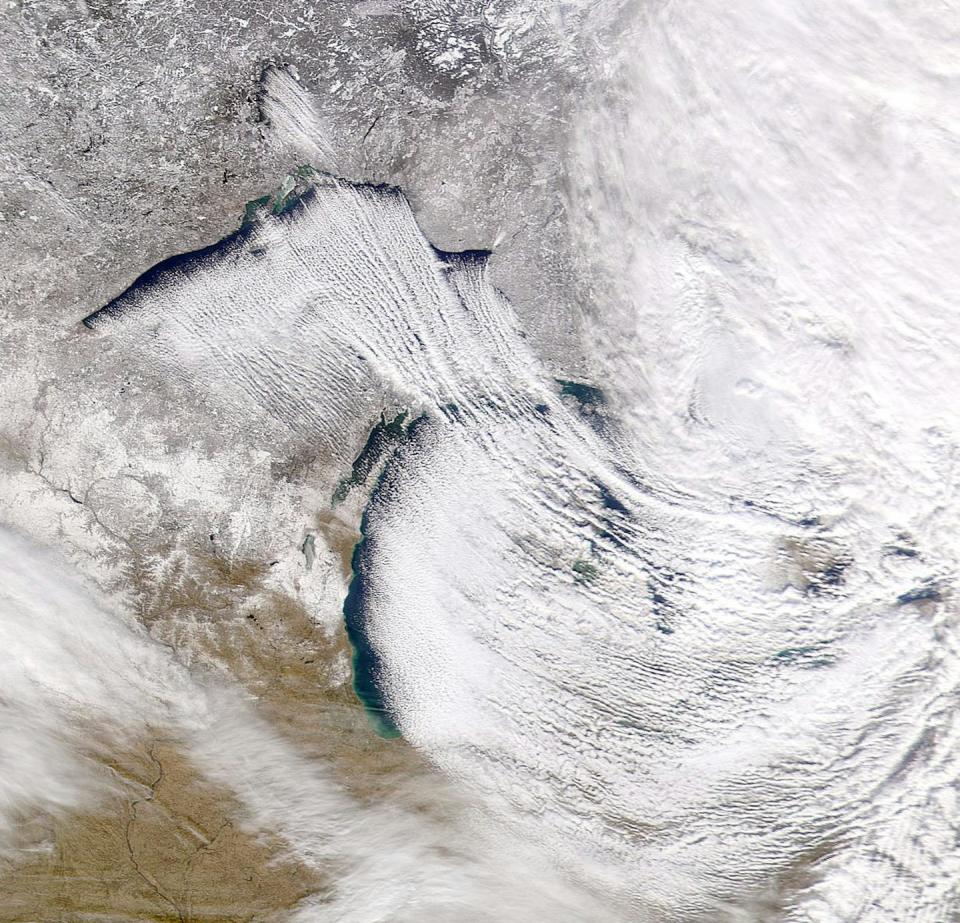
(672, 622)
(676, 628)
